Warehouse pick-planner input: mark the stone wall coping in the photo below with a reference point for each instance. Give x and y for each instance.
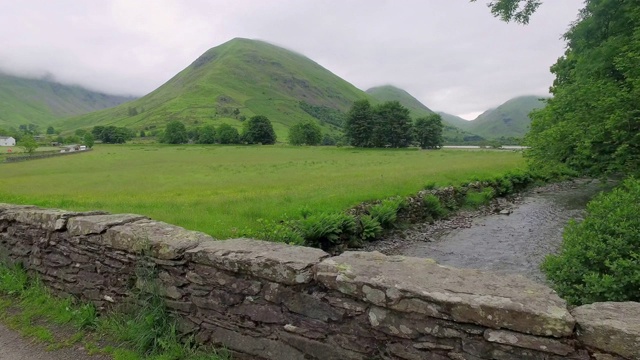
(161, 240)
(48, 219)
(613, 327)
(470, 296)
(281, 263)
(98, 224)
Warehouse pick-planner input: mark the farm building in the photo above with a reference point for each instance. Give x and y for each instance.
(7, 141)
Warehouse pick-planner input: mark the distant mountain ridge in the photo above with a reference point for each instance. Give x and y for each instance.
(511, 119)
(41, 101)
(234, 81)
(453, 133)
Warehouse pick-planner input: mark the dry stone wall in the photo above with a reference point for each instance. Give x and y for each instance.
(267, 300)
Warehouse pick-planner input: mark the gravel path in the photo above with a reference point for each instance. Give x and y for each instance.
(15, 347)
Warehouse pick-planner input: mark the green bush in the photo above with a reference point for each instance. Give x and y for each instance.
(433, 207)
(370, 228)
(386, 213)
(600, 257)
(475, 198)
(327, 230)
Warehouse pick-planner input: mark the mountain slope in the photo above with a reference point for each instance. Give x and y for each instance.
(40, 102)
(233, 81)
(392, 93)
(452, 133)
(510, 119)
(455, 121)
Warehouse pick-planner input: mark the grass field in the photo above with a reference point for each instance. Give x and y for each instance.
(223, 190)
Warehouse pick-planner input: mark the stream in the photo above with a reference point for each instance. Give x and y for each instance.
(515, 243)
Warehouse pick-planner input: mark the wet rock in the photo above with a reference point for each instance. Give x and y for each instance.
(610, 327)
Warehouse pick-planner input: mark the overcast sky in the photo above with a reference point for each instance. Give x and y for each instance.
(450, 54)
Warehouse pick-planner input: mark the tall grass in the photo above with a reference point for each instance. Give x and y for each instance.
(143, 331)
(225, 190)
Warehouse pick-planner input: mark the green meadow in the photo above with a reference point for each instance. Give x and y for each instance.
(226, 190)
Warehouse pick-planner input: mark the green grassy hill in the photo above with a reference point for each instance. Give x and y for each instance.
(40, 102)
(510, 119)
(254, 77)
(455, 121)
(453, 133)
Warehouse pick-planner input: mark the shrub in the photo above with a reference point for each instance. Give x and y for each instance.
(226, 134)
(386, 213)
(475, 198)
(370, 228)
(599, 259)
(327, 230)
(258, 130)
(433, 207)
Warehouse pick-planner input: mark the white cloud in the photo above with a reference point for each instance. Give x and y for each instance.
(453, 56)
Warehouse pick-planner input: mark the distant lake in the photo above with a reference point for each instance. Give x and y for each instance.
(506, 147)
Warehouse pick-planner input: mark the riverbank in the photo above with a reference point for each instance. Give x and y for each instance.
(510, 235)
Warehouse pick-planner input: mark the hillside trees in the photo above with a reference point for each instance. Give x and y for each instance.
(88, 140)
(227, 134)
(428, 131)
(207, 135)
(387, 124)
(592, 123)
(392, 125)
(258, 130)
(358, 126)
(175, 133)
(305, 133)
(112, 134)
(28, 144)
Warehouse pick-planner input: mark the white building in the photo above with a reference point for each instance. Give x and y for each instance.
(7, 141)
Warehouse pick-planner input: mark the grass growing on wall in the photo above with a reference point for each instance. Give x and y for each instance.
(147, 332)
(225, 190)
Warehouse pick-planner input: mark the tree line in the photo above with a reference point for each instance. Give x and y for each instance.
(389, 125)
(256, 130)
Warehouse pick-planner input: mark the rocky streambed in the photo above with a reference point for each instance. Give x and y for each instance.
(510, 235)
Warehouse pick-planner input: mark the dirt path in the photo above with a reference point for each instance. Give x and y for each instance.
(15, 347)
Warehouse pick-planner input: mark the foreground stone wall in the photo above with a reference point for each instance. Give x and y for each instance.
(273, 301)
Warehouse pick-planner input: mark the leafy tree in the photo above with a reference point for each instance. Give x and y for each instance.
(28, 144)
(110, 134)
(175, 133)
(599, 257)
(81, 132)
(328, 140)
(142, 133)
(132, 111)
(88, 140)
(358, 126)
(72, 139)
(227, 134)
(207, 135)
(31, 129)
(97, 132)
(51, 130)
(514, 10)
(305, 132)
(428, 131)
(591, 124)
(392, 125)
(258, 130)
